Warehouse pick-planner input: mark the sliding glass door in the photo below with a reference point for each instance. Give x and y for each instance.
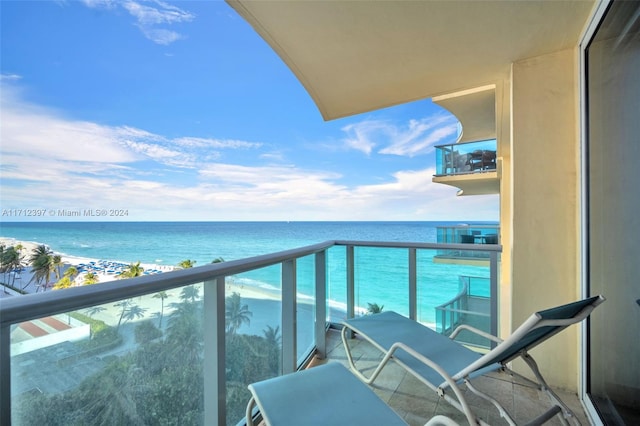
(613, 214)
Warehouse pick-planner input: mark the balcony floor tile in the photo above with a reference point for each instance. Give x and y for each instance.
(416, 403)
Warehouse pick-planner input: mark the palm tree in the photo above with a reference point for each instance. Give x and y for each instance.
(133, 312)
(272, 335)
(11, 261)
(236, 313)
(185, 264)
(62, 283)
(272, 347)
(374, 308)
(90, 278)
(57, 263)
(124, 304)
(41, 261)
(132, 271)
(161, 295)
(67, 280)
(94, 310)
(190, 293)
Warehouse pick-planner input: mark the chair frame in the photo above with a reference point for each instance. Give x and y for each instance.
(495, 359)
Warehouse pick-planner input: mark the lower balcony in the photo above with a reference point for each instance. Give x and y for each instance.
(181, 347)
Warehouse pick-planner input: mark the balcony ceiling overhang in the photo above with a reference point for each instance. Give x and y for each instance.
(358, 56)
(476, 111)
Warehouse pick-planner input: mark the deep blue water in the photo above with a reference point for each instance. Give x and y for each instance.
(381, 274)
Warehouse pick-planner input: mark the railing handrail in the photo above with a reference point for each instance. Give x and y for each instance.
(18, 309)
(432, 246)
(464, 290)
(464, 143)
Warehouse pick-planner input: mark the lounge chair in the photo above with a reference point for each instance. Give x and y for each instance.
(325, 395)
(444, 364)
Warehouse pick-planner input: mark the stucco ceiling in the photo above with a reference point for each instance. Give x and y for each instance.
(357, 56)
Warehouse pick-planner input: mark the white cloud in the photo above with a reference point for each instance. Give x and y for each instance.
(51, 161)
(216, 143)
(362, 136)
(150, 16)
(161, 35)
(163, 13)
(417, 138)
(10, 77)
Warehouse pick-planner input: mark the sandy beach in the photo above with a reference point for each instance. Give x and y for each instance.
(107, 270)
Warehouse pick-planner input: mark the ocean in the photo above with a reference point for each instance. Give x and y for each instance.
(381, 273)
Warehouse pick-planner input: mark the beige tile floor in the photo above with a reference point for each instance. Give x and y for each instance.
(416, 403)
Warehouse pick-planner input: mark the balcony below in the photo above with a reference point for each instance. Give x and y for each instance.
(477, 234)
(472, 167)
(416, 403)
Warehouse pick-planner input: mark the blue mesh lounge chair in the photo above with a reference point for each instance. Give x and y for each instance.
(444, 364)
(325, 395)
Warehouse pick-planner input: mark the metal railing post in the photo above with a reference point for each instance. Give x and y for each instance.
(321, 304)
(214, 352)
(351, 279)
(289, 318)
(5, 377)
(413, 284)
(493, 285)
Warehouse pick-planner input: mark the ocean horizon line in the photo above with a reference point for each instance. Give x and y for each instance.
(481, 222)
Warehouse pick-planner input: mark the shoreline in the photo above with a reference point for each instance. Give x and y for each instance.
(104, 275)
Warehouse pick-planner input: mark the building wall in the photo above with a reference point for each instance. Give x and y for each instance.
(545, 203)
(503, 137)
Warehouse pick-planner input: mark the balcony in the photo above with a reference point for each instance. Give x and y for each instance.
(181, 347)
(472, 166)
(465, 234)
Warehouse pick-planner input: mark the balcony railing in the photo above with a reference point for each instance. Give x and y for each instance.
(471, 306)
(464, 158)
(181, 347)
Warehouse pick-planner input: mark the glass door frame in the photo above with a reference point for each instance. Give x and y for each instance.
(596, 18)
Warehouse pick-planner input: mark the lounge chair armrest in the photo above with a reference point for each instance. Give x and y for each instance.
(476, 331)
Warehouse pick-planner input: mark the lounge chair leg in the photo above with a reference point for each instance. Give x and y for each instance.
(365, 379)
(567, 414)
(503, 413)
(249, 412)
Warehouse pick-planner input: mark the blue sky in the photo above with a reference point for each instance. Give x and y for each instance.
(180, 111)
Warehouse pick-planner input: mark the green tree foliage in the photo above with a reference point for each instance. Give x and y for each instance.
(90, 278)
(186, 264)
(11, 260)
(161, 295)
(132, 271)
(145, 332)
(236, 313)
(374, 308)
(161, 382)
(42, 264)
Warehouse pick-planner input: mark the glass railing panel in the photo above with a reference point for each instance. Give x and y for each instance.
(469, 157)
(381, 280)
(451, 294)
(136, 361)
(336, 283)
(306, 304)
(466, 234)
(253, 324)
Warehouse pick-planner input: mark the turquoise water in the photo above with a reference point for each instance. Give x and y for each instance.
(381, 274)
